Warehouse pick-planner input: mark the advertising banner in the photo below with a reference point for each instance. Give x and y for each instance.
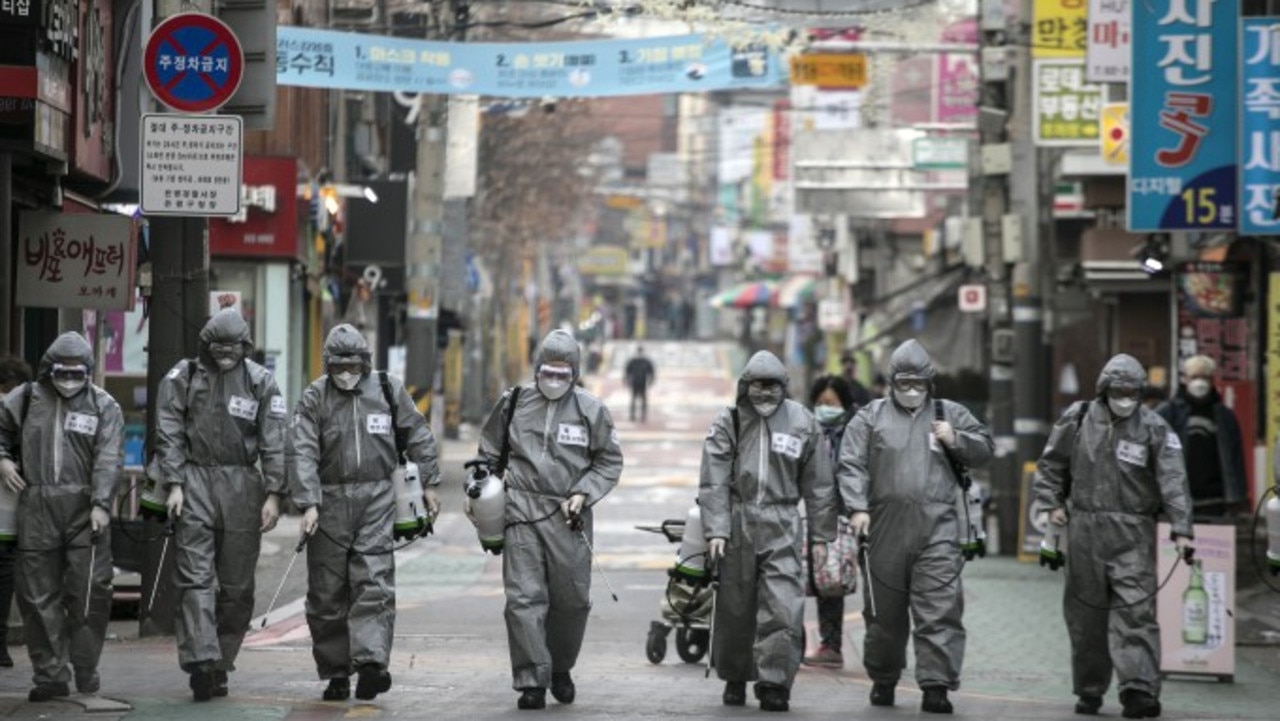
(956, 93)
(313, 58)
(1260, 126)
(1067, 110)
(1060, 30)
(1107, 56)
(1196, 609)
(75, 260)
(1272, 407)
(1182, 173)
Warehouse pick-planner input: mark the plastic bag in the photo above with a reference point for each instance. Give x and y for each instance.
(839, 575)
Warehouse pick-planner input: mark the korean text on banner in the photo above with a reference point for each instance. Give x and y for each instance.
(1107, 56)
(1060, 29)
(75, 260)
(1067, 109)
(595, 68)
(1182, 173)
(1260, 126)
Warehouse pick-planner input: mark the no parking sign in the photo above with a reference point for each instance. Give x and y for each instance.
(193, 62)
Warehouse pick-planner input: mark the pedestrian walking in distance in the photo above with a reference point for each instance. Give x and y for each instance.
(640, 375)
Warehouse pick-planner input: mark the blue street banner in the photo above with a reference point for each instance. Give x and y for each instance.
(1260, 126)
(687, 63)
(1182, 172)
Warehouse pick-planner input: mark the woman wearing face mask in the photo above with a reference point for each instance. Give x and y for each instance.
(831, 398)
(1211, 443)
(1108, 469)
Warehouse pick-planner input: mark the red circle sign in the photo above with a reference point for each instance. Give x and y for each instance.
(193, 62)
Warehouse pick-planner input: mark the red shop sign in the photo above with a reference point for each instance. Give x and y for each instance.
(268, 224)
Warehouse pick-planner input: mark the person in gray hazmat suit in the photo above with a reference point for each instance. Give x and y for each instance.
(564, 457)
(344, 451)
(895, 475)
(217, 417)
(761, 457)
(61, 451)
(1109, 467)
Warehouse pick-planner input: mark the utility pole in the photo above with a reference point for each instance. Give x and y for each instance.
(1031, 197)
(423, 254)
(179, 304)
(987, 225)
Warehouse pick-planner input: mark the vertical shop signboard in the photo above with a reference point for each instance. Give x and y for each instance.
(1108, 45)
(1182, 173)
(1260, 126)
(1196, 608)
(1061, 29)
(1272, 404)
(1068, 110)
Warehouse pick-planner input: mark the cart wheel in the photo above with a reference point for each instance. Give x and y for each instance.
(655, 649)
(691, 644)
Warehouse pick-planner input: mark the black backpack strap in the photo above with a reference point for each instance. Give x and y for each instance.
(26, 403)
(505, 454)
(402, 443)
(1080, 416)
(733, 413)
(958, 468)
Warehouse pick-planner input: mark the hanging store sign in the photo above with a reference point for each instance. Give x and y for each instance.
(1182, 173)
(843, 71)
(1107, 56)
(75, 260)
(1115, 134)
(1060, 29)
(267, 226)
(1067, 109)
(956, 88)
(1260, 126)
(596, 68)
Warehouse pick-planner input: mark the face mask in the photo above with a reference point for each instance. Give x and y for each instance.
(764, 400)
(1199, 388)
(226, 363)
(909, 399)
(68, 388)
(346, 380)
(828, 415)
(1122, 408)
(553, 389)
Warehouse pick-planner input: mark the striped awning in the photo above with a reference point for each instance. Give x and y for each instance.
(796, 290)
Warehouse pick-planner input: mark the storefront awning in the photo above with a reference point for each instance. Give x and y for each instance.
(752, 294)
(796, 290)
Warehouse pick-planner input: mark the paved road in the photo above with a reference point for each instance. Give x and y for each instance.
(450, 659)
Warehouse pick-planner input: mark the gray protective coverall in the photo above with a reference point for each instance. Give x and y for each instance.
(212, 428)
(72, 451)
(892, 467)
(344, 452)
(749, 489)
(558, 448)
(1113, 475)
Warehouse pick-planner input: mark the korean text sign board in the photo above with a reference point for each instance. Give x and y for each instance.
(596, 68)
(1182, 172)
(191, 164)
(1067, 110)
(1107, 56)
(193, 62)
(1196, 609)
(1060, 29)
(75, 260)
(1260, 126)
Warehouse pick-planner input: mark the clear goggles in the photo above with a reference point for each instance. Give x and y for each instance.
(555, 373)
(70, 372)
(906, 385)
(224, 349)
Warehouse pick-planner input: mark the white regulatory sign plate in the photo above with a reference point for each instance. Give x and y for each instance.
(191, 164)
